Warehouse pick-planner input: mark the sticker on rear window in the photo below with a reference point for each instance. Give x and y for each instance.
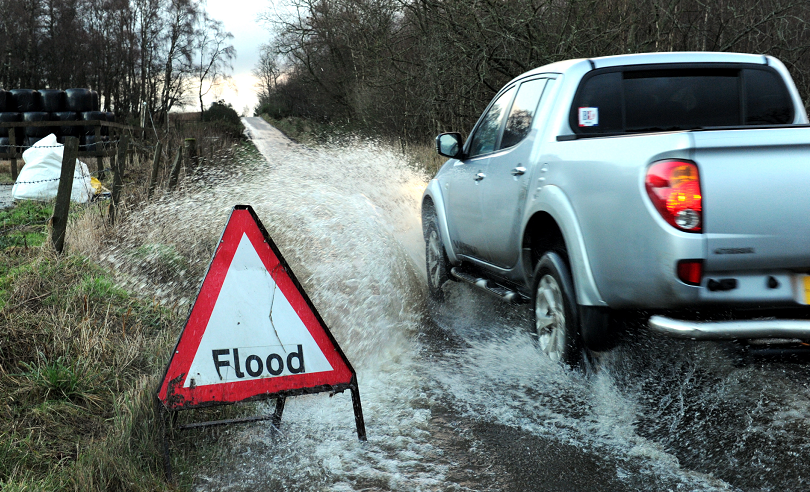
(588, 116)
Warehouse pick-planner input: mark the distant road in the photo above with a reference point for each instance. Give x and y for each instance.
(265, 137)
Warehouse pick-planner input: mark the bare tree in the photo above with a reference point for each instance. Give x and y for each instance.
(267, 72)
(415, 67)
(182, 17)
(214, 56)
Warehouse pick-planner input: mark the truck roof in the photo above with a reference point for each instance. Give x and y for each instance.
(651, 58)
(678, 57)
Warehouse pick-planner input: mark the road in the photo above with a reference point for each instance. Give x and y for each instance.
(456, 396)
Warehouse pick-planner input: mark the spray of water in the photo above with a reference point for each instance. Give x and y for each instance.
(346, 218)
(448, 391)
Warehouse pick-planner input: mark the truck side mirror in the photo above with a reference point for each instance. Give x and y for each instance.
(449, 145)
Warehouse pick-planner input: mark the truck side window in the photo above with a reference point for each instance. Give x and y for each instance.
(601, 100)
(522, 112)
(485, 138)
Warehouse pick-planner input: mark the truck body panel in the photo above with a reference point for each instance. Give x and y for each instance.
(592, 185)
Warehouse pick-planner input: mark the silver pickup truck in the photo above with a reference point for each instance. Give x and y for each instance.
(671, 184)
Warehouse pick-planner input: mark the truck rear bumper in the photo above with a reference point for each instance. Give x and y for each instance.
(731, 330)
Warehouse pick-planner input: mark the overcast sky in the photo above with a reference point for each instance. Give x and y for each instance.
(241, 19)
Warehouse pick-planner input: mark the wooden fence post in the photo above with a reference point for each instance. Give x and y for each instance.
(178, 162)
(98, 148)
(155, 168)
(12, 143)
(130, 159)
(118, 178)
(143, 120)
(191, 153)
(62, 206)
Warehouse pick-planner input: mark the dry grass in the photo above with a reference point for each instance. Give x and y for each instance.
(86, 230)
(73, 347)
(5, 166)
(5, 171)
(81, 358)
(425, 157)
(301, 130)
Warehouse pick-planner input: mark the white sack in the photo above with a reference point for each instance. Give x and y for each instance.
(39, 178)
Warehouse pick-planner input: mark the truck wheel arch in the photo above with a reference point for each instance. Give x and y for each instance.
(552, 226)
(542, 235)
(433, 203)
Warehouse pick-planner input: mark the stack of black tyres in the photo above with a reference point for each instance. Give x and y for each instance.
(27, 105)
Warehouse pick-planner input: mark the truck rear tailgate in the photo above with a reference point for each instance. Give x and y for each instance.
(756, 197)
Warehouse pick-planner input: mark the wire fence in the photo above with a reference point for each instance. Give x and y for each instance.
(75, 176)
(140, 146)
(85, 145)
(134, 147)
(80, 175)
(120, 150)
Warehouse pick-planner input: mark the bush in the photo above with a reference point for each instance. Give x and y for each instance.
(227, 117)
(274, 107)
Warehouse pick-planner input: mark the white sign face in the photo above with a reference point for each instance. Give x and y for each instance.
(253, 331)
(588, 116)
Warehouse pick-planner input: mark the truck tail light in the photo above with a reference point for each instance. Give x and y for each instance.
(690, 271)
(674, 188)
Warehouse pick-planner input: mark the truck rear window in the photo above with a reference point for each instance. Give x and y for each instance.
(633, 101)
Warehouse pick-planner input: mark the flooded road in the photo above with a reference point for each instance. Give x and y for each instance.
(456, 396)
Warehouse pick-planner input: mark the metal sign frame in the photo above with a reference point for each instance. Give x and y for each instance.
(172, 396)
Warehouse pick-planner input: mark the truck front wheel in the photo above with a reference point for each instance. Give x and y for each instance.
(437, 264)
(556, 323)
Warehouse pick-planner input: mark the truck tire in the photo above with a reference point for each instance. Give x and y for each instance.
(556, 321)
(436, 262)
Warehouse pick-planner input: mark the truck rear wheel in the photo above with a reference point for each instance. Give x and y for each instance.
(436, 262)
(556, 323)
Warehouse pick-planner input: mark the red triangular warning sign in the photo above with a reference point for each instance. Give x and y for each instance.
(253, 331)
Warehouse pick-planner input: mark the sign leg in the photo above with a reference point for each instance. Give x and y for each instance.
(279, 410)
(358, 411)
(167, 460)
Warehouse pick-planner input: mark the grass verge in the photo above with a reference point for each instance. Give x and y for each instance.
(78, 365)
(80, 360)
(80, 357)
(310, 132)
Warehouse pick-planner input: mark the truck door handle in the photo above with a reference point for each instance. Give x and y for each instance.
(518, 171)
(480, 176)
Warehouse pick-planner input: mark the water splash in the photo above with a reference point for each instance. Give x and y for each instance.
(346, 218)
(456, 397)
